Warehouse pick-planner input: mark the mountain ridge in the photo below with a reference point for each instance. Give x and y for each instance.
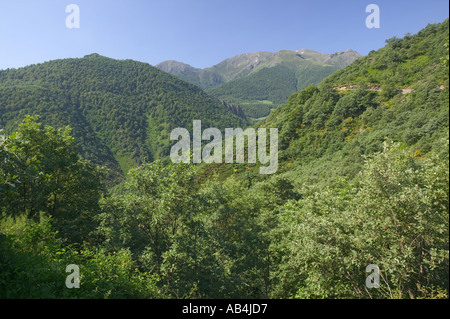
(236, 66)
(260, 81)
(122, 111)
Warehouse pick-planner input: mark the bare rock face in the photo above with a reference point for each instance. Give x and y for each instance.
(235, 109)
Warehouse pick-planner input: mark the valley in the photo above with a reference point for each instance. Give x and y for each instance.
(260, 81)
(361, 178)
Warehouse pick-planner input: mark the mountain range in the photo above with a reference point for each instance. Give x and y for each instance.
(362, 179)
(261, 81)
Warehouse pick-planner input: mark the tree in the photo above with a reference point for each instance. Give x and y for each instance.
(156, 217)
(42, 172)
(396, 217)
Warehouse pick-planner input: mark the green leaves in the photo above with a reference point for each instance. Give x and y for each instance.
(329, 237)
(33, 262)
(165, 235)
(43, 172)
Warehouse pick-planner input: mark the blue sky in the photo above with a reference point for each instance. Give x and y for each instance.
(201, 32)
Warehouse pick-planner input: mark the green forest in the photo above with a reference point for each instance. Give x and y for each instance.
(260, 92)
(270, 87)
(363, 180)
(121, 112)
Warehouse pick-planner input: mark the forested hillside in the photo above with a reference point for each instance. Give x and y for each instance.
(398, 93)
(120, 111)
(363, 180)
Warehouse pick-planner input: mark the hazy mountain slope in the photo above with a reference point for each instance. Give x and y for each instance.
(272, 81)
(202, 78)
(261, 81)
(240, 65)
(121, 111)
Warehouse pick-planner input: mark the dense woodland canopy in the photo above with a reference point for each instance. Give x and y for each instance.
(363, 179)
(121, 112)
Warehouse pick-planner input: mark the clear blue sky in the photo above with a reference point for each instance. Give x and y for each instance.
(201, 32)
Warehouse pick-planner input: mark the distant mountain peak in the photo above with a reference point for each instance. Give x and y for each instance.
(173, 67)
(261, 80)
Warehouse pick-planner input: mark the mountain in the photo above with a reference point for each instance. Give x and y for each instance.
(261, 81)
(122, 112)
(348, 215)
(203, 78)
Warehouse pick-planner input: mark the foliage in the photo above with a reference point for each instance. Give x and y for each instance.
(42, 172)
(271, 84)
(33, 265)
(395, 217)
